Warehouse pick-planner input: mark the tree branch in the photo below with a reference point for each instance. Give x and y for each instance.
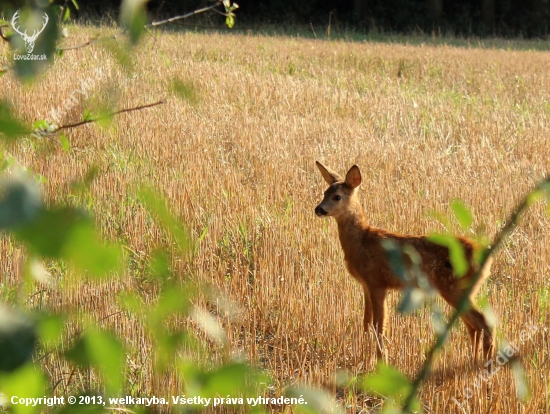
(463, 303)
(185, 16)
(137, 108)
(90, 42)
(153, 24)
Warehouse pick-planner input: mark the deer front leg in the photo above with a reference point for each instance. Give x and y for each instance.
(375, 315)
(367, 317)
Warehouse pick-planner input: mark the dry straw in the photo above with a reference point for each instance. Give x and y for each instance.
(425, 124)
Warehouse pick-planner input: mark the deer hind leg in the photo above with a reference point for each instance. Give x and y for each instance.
(475, 321)
(479, 331)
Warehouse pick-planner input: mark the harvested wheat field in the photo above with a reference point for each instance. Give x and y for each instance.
(236, 163)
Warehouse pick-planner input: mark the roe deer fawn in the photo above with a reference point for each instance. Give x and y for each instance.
(367, 262)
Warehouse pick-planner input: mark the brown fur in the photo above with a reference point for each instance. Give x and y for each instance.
(366, 260)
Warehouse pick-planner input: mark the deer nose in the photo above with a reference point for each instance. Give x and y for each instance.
(319, 211)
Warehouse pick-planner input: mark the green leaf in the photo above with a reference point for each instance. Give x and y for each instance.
(438, 322)
(227, 380)
(105, 116)
(490, 317)
(18, 339)
(133, 17)
(65, 143)
(67, 15)
(456, 252)
(411, 300)
(522, 385)
(78, 353)
(26, 382)
(107, 353)
(534, 196)
(200, 239)
(20, 203)
(50, 329)
(87, 116)
(132, 302)
(232, 379)
(441, 218)
(10, 126)
(103, 351)
(230, 21)
(158, 208)
(63, 233)
(184, 90)
(41, 124)
(159, 264)
(87, 252)
(173, 300)
(209, 324)
(387, 381)
(315, 400)
(121, 55)
(229, 7)
(396, 259)
(230, 16)
(462, 214)
(51, 230)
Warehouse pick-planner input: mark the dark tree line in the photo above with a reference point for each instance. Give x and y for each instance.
(461, 17)
(529, 18)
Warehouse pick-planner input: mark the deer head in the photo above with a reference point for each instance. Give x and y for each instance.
(29, 40)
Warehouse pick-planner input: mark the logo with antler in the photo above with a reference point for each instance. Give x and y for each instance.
(29, 40)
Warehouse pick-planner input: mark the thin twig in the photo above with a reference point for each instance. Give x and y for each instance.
(90, 42)
(183, 16)
(111, 114)
(199, 26)
(463, 304)
(153, 24)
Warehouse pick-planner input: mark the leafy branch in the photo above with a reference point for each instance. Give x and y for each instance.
(229, 8)
(230, 21)
(535, 194)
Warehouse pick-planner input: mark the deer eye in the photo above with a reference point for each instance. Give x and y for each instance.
(337, 198)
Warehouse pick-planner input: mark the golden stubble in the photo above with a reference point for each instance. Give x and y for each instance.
(425, 124)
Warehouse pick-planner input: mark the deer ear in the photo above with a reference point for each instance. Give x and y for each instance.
(353, 177)
(330, 176)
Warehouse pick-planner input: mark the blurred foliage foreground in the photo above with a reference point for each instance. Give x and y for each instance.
(65, 235)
